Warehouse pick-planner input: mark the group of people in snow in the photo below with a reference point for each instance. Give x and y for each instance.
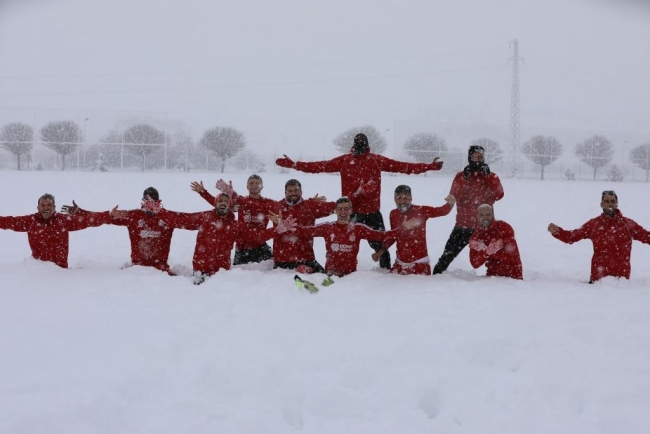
(474, 191)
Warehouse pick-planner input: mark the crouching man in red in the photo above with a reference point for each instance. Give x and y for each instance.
(342, 238)
(150, 231)
(611, 235)
(47, 230)
(412, 254)
(218, 232)
(493, 244)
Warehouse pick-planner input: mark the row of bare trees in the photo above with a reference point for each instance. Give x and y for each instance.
(596, 151)
(142, 141)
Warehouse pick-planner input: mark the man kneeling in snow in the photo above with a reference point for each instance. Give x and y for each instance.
(493, 244)
(47, 230)
(343, 237)
(218, 232)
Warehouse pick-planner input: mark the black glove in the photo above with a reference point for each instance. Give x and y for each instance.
(467, 172)
(485, 170)
(70, 209)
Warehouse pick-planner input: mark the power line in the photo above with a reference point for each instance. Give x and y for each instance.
(259, 84)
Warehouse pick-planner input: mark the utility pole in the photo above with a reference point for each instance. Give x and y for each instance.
(514, 111)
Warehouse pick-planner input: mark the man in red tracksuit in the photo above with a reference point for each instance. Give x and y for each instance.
(361, 181)
(150, 231)
(342, 238)
(218, 232)
(48, 231)
(252, 210)
(612, 236)
(296, 251)
(412, 256)
(473, 186)
(494, 245)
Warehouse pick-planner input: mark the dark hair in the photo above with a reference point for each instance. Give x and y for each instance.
(46, 196)
(255, 176)
(343, 199)
(151, 192)
(402, 189)
(608, 193)
(292, 182)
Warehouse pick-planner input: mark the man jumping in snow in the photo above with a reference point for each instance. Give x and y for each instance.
(494, 245)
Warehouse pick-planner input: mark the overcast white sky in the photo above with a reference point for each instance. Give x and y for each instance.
(296, 73)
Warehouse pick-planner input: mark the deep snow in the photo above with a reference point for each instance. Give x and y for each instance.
(101, 349)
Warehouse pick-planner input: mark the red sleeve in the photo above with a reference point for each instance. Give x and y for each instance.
(389, 165)
(439, 211)
(321, 209)
(85, 219)
(205, 194)
(457, 186)
(571, 237)
(366, 233)
(183, 220)
(18, 224)
(637, 232)
(326, 166)
(495, 188)
(395, 220)
(320, 230)
(254, 236)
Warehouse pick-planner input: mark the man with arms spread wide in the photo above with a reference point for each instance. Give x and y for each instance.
(612, 236)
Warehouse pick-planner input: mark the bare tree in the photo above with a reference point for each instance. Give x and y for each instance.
(615, 174)
(183, 154)
(493, 152)
(109, 151)
(344, 141)
(226, 142)
(542, 150)
(62, 137)
(424, 147)
(640, 157)
(143, 140)
(596, 152)
(17, 138)
(250, 161)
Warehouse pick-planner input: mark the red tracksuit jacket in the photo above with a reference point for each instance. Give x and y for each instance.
(506, 262)
(612, 239)
(364, 169)
(216, 238)
(49, 239)
(412, 244)
(472, 192)
(342, 243)
(299, 246)
(151, 236)
(252, 212)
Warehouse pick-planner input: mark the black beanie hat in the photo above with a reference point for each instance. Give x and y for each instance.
(152, 193)
(475, 148)
(360, 144)
(402, 189)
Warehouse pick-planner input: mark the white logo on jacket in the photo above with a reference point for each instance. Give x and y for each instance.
(345, 248)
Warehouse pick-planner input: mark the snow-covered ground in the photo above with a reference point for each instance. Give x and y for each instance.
(101, 349)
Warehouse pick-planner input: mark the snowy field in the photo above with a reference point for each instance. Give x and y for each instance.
(101, 349)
